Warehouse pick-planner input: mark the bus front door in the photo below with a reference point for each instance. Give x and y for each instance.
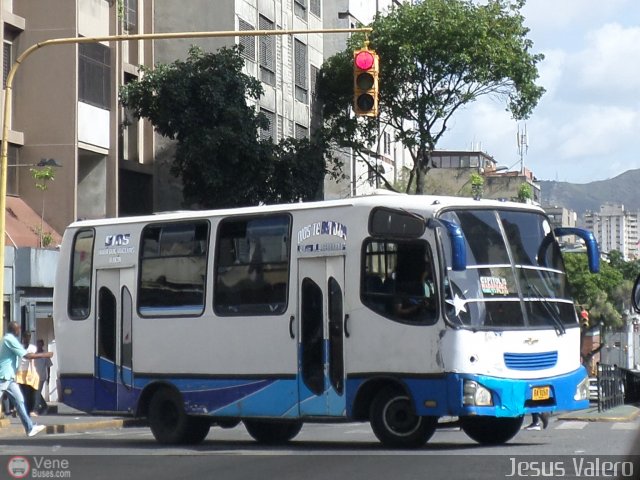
(113, 368)
(321, 314)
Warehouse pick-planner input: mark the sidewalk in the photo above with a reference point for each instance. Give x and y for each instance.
(621, 413)
(64, 419)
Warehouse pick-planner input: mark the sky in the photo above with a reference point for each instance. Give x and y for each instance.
(586, 127)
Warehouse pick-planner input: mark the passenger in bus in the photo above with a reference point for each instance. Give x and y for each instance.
(11, 352)
(417, 297)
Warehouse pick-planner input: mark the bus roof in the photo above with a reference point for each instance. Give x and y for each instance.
(430, 203)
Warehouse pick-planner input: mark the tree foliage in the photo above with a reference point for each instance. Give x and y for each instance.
(201, 103)
(436, 56)
(604, 295)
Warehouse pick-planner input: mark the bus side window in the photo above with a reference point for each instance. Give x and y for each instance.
(252, 265)
(398, 280)
(81, 268)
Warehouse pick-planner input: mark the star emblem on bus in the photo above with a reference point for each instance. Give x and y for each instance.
(459, 304)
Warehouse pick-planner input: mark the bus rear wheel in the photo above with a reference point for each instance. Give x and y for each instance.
(491, 430)
(168, 421)
(395, 423)
(272, 431)
(197, 430)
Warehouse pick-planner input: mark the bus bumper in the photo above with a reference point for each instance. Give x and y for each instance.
(466, 394)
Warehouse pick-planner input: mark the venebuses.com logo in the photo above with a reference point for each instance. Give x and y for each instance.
(18, 467)
(38, 467)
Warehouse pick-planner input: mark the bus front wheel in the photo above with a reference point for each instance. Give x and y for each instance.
(491, 430)
(395, 423)
(168, 421)
(272, 431)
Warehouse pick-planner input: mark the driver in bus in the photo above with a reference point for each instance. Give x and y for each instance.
(414, 298)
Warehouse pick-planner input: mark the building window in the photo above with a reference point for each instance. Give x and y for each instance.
(173, 269)
(252, 266)
(129, 131)
(248, 44)
(94, 75)
(267, 53)
(315, 7)
(301, 132)
(313, 81)
(131, 16)
(300, 65)
(387, 143)
(300, 8)
(7, 61)
(268, 133)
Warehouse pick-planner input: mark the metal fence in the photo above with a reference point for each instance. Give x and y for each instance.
(611, 386)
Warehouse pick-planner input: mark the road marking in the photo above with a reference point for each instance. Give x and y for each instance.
(572, 425)
(624, 426)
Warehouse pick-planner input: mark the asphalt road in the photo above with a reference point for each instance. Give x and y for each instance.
(347, 451)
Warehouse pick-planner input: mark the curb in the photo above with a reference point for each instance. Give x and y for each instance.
(624, 413)
(12, 430)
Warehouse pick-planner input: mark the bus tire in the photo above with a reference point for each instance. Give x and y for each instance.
(197, 431)
(491, 430)
(395, 423)
(168, 421)
(272, 431)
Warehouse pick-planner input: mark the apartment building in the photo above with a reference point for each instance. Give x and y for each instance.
(287, 65)
(615, 228)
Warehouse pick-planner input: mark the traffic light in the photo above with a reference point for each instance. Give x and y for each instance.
(365, 82)
(584, 319)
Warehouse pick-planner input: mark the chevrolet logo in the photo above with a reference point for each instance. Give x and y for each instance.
(531, 341)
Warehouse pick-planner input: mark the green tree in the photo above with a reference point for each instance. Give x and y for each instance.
(477, 185)
(436, 56)
(599, 293)
(43, 176)
(525, 192)
(201, 103)
(604, 295)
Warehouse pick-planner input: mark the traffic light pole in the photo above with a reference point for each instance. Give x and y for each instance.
(111, 38)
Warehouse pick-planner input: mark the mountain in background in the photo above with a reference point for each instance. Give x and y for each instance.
(580, 197)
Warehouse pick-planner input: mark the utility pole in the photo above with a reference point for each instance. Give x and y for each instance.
(109, 38)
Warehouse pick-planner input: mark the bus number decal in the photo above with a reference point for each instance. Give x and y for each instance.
(317, 229)
(117, 245)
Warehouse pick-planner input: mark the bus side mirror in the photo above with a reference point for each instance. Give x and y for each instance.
(593, 253)
(456, 239)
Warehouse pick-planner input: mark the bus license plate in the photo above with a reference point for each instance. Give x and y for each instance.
(541, 393)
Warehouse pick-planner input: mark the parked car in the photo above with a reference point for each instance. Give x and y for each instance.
(593, 389)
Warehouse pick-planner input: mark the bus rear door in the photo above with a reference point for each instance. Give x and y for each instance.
(113, 358)
(321, 353)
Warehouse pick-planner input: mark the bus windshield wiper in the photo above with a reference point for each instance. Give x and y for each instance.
(553, 313)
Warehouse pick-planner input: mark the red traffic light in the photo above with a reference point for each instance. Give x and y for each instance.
(365, 82)
(364, 60)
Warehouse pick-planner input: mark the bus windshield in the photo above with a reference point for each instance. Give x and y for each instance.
(514, 277)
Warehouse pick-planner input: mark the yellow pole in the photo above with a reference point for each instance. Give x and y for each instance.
(112, 38)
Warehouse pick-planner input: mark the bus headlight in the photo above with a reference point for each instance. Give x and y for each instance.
(582, 390)
(475, 394)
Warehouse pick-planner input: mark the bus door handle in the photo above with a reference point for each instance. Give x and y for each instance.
(346, 326)
(291, 332)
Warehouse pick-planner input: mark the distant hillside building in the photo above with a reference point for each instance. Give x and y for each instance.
(451, 175)
(615, 229)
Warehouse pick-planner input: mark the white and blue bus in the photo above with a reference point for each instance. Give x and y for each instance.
(391, 309)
